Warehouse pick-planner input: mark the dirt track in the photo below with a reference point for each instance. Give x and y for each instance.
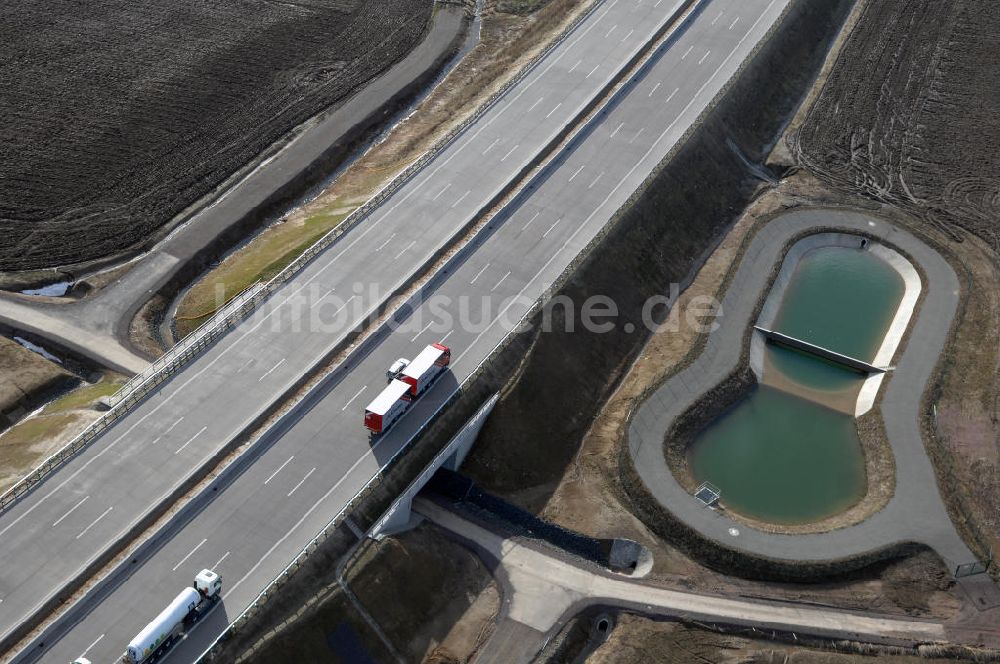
(908, 115)
(103, 146)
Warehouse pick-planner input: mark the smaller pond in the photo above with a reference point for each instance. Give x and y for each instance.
(841, 299)
(782, 459)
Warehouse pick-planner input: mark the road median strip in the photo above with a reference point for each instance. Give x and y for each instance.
(516, 186)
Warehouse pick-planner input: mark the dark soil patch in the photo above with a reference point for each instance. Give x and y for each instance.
(120, 115)
(638, 640)
(908, 114)
(416, 587)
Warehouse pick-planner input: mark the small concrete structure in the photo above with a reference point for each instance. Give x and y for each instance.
(819, 351)
(399, 515)
(630, 558)
(709, 494)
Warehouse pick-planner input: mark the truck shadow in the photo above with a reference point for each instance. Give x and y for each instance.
(201, 635)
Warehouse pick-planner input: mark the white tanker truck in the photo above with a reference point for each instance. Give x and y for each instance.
(187, 608)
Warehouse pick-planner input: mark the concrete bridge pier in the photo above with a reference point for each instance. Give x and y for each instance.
(399, 516)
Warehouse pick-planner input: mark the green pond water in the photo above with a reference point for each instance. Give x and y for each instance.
(784, 459)
(840, 299)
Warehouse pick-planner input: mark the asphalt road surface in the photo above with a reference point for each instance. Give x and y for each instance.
(97, 497)
(543, 587)
(305, 472)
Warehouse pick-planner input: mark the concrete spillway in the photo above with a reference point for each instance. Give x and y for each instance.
(819, 351)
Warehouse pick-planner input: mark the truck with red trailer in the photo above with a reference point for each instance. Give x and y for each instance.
(387, 407)
(425, 367)
(407, 381)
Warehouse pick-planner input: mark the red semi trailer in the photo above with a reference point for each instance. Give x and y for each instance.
(387, 407)
(425, 367)
(408, 384)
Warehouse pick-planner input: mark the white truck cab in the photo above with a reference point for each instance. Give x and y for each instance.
(396, 369)
(208, 583)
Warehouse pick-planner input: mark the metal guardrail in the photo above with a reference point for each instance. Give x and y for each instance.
(223, 320)
(187, 347)
(274, 585)
(141, 384)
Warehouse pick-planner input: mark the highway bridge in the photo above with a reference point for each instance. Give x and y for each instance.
(309, 467)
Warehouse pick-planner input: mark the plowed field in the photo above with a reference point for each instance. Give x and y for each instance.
(119, 114)
(909, 117)
(909, 114)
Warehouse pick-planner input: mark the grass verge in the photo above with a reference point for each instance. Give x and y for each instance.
(24, 445)
(508, 42)
(261, 259)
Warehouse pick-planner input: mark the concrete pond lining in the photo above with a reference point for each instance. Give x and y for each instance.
(897, 328)
(916, 512)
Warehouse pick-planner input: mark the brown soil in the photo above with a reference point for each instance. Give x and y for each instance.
(964, 405)
(906, 119)
(28, 378)
(907, 116)
(638, 640)
(432, 598)
(447, 600)
(152, 105)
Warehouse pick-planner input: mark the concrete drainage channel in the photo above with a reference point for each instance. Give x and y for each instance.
(362, 338)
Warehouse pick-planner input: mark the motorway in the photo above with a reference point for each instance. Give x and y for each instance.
(308, 469)
(98, 497)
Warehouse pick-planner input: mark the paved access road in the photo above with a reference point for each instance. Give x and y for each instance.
(542, 590)
(97, 327)
(306, 471)
(49, 537)
(915, 513)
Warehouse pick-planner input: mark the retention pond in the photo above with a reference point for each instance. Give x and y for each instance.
(790, 453)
